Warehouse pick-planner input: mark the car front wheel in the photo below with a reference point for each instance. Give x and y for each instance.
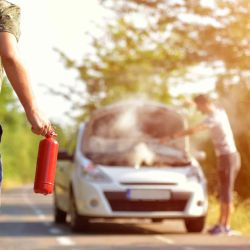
(78, 223)
(59, 215)
(195, 225)
(157, 220)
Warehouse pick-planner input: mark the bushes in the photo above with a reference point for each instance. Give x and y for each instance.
(240, 218)
(19, 150)
(19, 145)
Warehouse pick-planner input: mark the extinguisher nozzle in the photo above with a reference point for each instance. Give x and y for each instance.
(51, 134)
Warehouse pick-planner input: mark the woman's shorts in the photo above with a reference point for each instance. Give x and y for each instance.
(228, 168)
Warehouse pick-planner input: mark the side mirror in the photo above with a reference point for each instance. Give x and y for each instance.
(63, 155)
(200, 155)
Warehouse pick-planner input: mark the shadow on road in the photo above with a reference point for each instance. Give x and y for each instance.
(23, 229)
(22, 209)
(107, 231)
(138, 228)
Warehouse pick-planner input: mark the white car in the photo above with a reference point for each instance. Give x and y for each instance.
(122, 168)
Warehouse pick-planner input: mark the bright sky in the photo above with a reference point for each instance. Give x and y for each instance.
(49, 24)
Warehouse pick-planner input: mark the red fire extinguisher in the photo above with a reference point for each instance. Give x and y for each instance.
(46, 165)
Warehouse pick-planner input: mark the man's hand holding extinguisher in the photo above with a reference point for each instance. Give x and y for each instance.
(47, 152)
(40, 125)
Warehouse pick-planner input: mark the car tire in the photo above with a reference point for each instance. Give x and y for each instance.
(195, 225)
(59, 215)
(78, 223)
(157, 220)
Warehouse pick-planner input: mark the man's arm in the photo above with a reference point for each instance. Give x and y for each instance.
(186, 132)
(18, 77)
(190, 131)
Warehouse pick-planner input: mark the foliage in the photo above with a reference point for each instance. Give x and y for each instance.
(209, 31)
(148, 43)
(66, 137)
(19, 146)
(240, 221)
(235, 99)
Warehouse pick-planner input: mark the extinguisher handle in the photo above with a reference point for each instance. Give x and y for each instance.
(50, 134)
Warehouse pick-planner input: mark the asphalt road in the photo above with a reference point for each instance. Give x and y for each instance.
(26, 223)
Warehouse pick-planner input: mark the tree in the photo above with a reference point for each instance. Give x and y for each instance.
(149, 45)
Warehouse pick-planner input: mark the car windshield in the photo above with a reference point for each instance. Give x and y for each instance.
(131, 135)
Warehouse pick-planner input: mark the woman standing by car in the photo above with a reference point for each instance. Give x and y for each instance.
(228, 157)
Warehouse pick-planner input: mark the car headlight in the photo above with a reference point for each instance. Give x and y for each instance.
(194, 173)
(94, 174)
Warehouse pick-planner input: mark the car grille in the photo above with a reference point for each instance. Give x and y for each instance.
(119, 202)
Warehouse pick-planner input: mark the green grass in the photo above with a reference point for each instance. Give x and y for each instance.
(241, 216)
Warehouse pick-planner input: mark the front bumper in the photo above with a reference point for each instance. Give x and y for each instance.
(111, 201)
